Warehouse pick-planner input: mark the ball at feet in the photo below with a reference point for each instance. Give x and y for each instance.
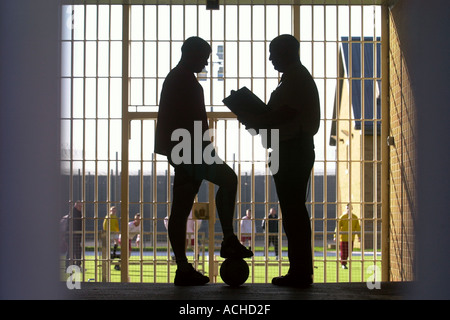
(234, 272)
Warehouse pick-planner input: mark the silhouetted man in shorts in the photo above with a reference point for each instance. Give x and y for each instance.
(182, 135)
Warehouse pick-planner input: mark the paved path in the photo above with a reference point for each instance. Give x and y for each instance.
(320, 291)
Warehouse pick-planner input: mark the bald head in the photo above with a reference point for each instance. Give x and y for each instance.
(284, 50)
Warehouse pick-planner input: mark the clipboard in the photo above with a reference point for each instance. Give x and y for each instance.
(245, 100)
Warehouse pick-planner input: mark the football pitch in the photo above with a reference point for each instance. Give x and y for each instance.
(146, 269)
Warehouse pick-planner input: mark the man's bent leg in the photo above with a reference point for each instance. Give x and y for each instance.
(225, 178)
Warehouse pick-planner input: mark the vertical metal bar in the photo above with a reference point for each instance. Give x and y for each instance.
(252, 173)
(211, 224)
(141, 203)
(155, 215)
(349, 123)
(362, 157)
(377, 147)
(251, 52)
(96, 154)
(71, 180)
(184, 21)
(267, 170)
(125, 142)
(325, 163)
(143, 57)
(311, 181)
(158, 85)
(224, 52)
(296, 21)
(170, 36)
(107, 276)
(385, 152)
(337, 164)
(83, 188)
(211, 78)
(252, 208)
(375, 180)
(238, 63)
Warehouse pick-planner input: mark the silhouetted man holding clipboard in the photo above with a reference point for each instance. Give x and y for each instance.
(294, 110)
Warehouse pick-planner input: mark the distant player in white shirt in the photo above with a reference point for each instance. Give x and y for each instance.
(134, 230)
(190, 228)
(246, 228)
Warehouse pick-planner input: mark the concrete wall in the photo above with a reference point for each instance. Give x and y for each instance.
(29, 144)
(422, 29)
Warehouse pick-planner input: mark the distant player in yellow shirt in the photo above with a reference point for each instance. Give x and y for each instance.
(348, 224)
(113, 228)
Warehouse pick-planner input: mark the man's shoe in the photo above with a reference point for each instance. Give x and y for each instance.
(190, 277)
(291, 280)
(232, 248)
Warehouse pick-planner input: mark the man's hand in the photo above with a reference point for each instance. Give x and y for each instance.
(248, 120)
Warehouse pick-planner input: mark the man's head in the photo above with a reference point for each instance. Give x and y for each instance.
(272, 211)
(195, 53)
(137, 219)
(78, 205)
(284, 50)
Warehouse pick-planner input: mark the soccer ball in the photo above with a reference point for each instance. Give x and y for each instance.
(234, 272)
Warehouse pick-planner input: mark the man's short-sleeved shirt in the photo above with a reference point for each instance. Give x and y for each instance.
(298, 91)
(181, 104)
